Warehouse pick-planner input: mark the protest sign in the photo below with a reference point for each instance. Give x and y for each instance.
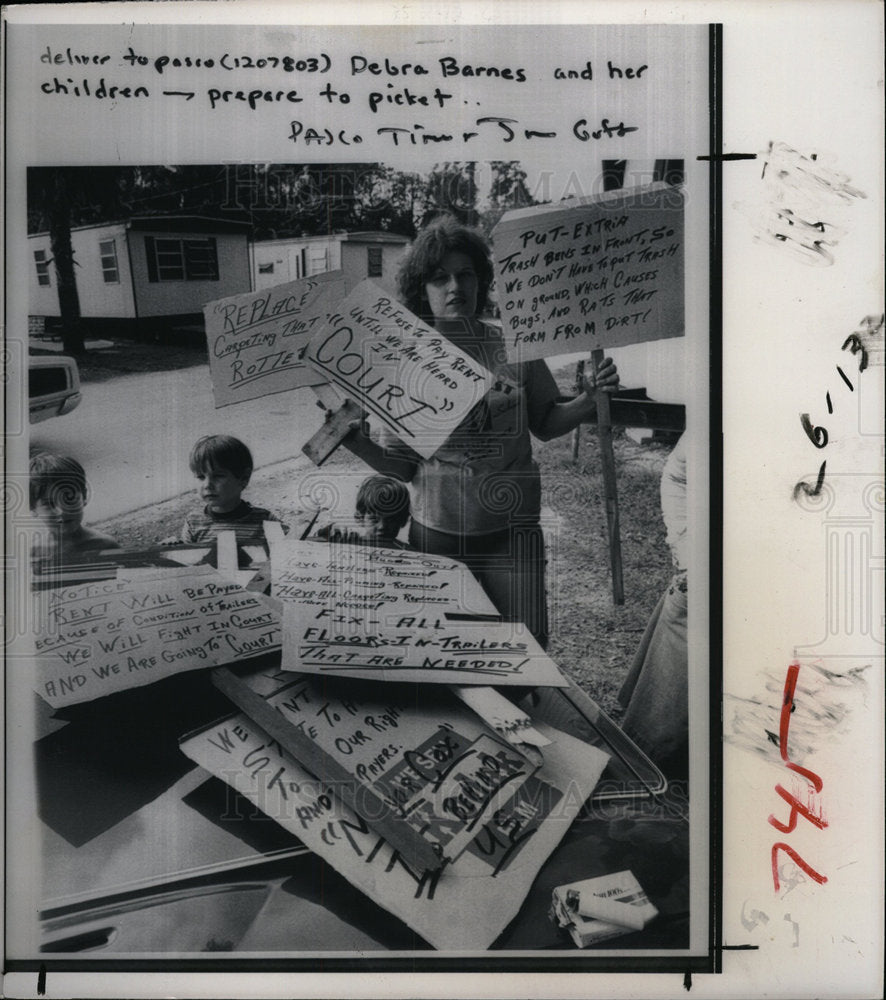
(257, 340)
(99, 638)
(398, 369)
(591, 273)
(423, 770)
(391, 614)
(464, 904)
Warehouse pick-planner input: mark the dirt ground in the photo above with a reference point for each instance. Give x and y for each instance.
(592, 639)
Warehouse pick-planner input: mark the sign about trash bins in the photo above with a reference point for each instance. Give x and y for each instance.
(257, 340)
(591, 273)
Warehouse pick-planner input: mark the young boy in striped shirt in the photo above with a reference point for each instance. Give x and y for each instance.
(223, 466)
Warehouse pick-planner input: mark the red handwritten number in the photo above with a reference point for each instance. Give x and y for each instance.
(797, 807)
(810, 871)
(787, 706)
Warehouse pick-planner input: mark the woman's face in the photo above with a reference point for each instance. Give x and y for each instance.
(452, 288)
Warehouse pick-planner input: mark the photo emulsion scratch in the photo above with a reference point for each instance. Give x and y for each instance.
(803, 205)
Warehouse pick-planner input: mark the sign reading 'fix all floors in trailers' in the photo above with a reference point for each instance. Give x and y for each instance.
(401, 371)
(590, 273)
(391, 615)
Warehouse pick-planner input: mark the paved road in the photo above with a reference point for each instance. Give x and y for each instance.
(133, 434)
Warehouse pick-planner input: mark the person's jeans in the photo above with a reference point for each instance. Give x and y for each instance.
(509, 565)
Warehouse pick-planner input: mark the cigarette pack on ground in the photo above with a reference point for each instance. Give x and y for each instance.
(601, 908)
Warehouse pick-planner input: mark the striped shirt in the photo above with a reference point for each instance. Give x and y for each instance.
(246, 521)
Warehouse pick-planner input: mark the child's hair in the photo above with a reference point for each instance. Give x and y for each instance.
(221, 451)
(385, 497)
(58, 480)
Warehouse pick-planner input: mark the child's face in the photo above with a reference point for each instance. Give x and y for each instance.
(373, 527)
(61, 515)
(221, 489)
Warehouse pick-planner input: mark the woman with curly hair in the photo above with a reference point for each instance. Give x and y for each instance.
(478, 498)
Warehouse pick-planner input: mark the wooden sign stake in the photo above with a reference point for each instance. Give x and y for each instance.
(610, 486)
(359, 797)
(576, 434)
(334, 430)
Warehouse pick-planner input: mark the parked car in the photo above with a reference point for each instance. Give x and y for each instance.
(53, 386)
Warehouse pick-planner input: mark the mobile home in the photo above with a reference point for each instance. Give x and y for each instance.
(145, 273)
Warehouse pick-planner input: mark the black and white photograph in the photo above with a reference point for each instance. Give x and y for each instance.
(371, 513)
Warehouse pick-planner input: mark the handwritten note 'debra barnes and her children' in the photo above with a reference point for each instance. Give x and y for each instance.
(387, 614)
(257, 340)
(401, 371)
(100, 638)
(591, 273)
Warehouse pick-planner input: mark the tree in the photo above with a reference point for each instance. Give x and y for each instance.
(508, 190)
(49, 196)
(452, 188)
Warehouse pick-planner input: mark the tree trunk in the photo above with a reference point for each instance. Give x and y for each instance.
(59, 212)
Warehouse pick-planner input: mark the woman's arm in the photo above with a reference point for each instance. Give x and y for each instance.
(560, 418)
(383, 460)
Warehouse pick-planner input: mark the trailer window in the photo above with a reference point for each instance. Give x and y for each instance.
(42, 265)
(107, 250)
(181, 260)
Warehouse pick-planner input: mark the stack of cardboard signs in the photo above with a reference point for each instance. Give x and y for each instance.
(361, 746)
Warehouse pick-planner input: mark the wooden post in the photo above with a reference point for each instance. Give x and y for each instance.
(610, 486)
(576, 434)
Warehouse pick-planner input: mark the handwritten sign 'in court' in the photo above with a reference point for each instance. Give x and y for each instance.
(464, 904)
(390, 614)
(257, 340)
(401, 371)
(591, 273)
(100, 638)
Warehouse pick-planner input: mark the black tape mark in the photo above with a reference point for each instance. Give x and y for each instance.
(687, 981)
(739, 947)
(721, 157)
(41, 981)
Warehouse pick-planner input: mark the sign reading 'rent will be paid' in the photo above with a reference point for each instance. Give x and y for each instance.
(100, 638)
(591, 273)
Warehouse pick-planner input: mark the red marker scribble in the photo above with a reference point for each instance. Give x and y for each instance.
(798, 808)
(787, 706)
(810, 871)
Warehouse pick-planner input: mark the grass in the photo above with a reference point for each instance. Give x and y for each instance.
(593, 639)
